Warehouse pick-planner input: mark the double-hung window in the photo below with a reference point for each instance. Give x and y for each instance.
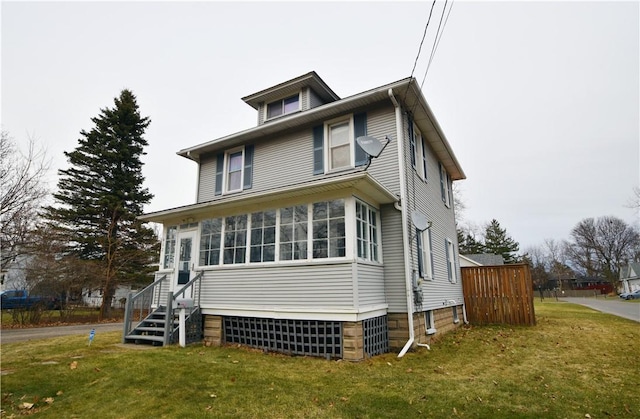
(283, 106)
(425, 254)
(339, 145)
(334, 144)
(445, 186)
(234, 170)
(418, 148)
(451, 261)
(367, 232)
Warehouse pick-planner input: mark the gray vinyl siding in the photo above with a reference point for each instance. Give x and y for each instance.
(381, 122)
(206, 179)
(261, 113)
(304, 99)
(317, 286)
(314, 99)
(370, 285)
(287, 159)
(426, 198)
(393, 256)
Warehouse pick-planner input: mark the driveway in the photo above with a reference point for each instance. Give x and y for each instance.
(19, 335)
(614, 306)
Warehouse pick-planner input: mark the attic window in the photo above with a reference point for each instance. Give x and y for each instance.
(283, 106)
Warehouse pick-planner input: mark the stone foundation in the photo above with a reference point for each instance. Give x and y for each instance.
(352, 341)
(399, 326)
(213, 335)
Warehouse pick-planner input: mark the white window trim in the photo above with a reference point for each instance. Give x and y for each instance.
(349, 214)
(444, 175)
(327, 144)
(429, 321)
(225, 174)
(427, 256)
(281, 100)
(369, 241)
(452, 261)
(164, 247)
(420, 153)
(456, 317)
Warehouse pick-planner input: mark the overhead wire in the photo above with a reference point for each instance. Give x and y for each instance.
(424, 35)
(436, 41)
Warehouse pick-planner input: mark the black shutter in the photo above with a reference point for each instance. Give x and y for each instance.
(219, 173)
(318, 150)
(360, 130)
(248, 166)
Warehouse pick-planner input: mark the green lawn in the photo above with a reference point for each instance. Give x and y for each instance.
(574, 362)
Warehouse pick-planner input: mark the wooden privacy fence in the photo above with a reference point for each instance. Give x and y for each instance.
(501, 294)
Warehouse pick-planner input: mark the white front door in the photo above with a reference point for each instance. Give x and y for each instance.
(186, 258)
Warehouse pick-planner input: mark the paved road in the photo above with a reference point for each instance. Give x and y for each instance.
(19, 335)
(628, 310)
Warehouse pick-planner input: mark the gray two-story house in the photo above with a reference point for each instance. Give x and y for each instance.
(303, 244)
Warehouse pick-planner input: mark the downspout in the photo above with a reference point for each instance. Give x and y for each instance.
(405, 232)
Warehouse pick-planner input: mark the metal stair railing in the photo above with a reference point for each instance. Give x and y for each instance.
(140, 305)
(191, 289)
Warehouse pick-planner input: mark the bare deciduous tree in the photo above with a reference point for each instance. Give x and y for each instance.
(601, 246)
(22, 191)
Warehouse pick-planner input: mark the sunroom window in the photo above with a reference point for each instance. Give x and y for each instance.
(366, 232)
(263, 236)
(293, 232)
(235, 239)
(329, 229)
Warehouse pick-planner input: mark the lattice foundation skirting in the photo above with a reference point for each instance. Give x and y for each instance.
(296, 337)
(329, 339)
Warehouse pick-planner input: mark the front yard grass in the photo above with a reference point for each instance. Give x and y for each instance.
(574, 362)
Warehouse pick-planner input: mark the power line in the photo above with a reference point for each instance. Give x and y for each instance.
(436, 41)
(424, 34)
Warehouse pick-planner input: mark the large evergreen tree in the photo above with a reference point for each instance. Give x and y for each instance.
(498, 242)
(101, 195)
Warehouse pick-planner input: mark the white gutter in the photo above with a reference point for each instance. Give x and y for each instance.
(405, 233)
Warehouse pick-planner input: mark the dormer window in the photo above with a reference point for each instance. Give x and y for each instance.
(283, 106)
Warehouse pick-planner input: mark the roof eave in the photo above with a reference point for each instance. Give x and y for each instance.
(358, 182)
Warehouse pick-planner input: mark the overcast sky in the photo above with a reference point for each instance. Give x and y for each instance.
(539, 100)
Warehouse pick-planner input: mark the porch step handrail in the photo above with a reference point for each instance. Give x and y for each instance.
(139, 305)
(196, 285)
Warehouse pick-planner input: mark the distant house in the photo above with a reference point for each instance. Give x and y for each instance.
(304, 244)
(629, 277)
(466, 262)
(486, 259)
(92, 297)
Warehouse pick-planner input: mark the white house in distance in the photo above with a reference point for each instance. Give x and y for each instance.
(306, 248)
(630, 277)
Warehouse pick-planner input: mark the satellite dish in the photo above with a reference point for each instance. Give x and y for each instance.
(419, 221)
(371, 145)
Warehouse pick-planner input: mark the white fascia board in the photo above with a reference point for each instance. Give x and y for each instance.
(296, 313)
